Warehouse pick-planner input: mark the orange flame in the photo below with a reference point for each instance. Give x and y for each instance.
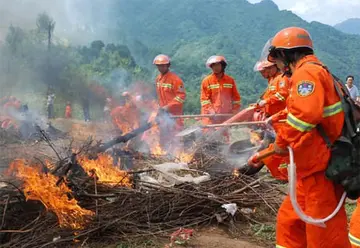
(42, 187)
(152, 136)
(184, 157)
(236, 173)
(104, 170)
(126, 117)
(255, 138)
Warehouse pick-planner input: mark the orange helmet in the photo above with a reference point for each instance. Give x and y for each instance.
(215, 59)
(161, 59)
(290, 38)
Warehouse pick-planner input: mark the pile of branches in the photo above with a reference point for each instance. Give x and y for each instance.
(125, 213)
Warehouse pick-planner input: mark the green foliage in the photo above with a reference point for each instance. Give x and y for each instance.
(71, 73)
(191, 31)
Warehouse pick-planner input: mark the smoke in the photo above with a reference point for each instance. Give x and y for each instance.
(77, 20)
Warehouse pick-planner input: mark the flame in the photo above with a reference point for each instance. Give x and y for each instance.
(184, 157)
(104, 170)
(255, 138)
(236, 173)
(152, 136)
(42, 187)
(126, 117)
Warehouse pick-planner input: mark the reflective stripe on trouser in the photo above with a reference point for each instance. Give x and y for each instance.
(318, 197)
(354, 232)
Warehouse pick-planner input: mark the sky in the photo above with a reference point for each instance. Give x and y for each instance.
(329, 12)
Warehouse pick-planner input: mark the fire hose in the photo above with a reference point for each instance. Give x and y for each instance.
(292, 190)
(297, 208)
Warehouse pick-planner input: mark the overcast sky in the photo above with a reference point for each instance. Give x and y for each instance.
(326, 11)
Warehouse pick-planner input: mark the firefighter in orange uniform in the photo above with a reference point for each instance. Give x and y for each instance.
(274, 98)
(219, 94)
(68, 111)
(171, 96)
(271, 102)
(354, 232)
(312, 101)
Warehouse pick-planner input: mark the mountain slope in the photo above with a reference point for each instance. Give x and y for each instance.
(350, 26)
(192, 30)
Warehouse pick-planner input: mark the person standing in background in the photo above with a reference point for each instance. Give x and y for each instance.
(68, 111)
(219, 94)
(354, 92)
(50, 105)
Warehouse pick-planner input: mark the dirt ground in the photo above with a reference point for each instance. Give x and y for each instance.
(216, 238)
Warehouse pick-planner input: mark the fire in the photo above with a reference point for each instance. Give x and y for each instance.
(184, 157)
(255, 138)
(152, 136)
(42, 187)
(127, 116)
(236, 173)
(104, 170)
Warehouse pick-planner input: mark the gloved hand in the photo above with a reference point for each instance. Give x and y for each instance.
(253, 161)
(262, 103)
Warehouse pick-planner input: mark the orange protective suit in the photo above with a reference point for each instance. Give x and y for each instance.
(276, 94)
(171, 92)
(313, 100)
(219, 96)
(68, 112)
(354, 232)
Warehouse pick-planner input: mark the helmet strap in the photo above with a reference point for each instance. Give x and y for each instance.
(286, 61)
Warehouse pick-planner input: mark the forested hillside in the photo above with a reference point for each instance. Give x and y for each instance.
(350, 26)
(188, 30)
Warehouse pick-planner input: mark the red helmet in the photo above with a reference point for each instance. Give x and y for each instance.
(161, 59)
(215, 59)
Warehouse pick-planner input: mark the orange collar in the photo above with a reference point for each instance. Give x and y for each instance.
(306, 59)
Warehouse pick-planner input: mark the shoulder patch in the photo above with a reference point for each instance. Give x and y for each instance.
(282, 84)
(305, 88)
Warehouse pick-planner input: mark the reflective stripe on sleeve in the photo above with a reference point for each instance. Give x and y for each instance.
(205, 102)
(236, 102)
(167, 86)
(332, 109)
(279, 96)
(177, 98)
(298, 124)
